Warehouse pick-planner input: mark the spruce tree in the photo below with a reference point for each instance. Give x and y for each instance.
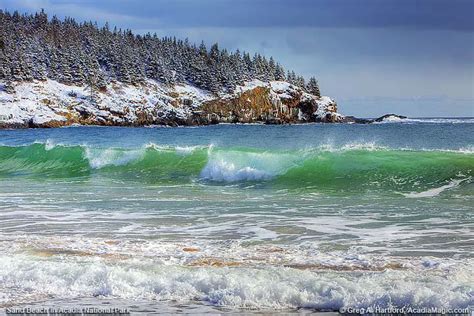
(313, 87)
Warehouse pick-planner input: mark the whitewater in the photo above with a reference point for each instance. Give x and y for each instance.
(313, 217)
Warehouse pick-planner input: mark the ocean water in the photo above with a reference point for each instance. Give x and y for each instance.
(222, 218)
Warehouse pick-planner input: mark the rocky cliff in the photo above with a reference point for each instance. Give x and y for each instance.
(52, 104)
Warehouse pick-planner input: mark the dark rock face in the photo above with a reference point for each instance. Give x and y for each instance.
(274, 103)
(272, 106)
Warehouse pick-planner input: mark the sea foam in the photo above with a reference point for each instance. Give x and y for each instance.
(266, 287)
(99, 158)
(436, 191)
(234, 165)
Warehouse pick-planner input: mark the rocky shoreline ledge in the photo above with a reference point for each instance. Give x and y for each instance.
(49, 103)
(43, 104)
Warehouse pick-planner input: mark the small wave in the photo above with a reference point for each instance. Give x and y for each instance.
(100, 158)
(184, 150)
(461, 150)
(222, 171)
(435, 191)
(49, 144)
(466, 150)
(396, 120)
(370, 146)
(245, 165)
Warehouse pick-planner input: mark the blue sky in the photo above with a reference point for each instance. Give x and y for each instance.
(412, 57)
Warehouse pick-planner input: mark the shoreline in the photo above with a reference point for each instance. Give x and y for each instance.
(357, 121)
(53, 104)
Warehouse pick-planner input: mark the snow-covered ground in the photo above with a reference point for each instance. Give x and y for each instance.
(50, 103)
(44, 101)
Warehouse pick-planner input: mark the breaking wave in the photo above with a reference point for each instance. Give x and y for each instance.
(231, 275)
(269, 287)
(415, 173)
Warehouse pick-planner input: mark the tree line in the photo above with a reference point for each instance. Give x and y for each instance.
(36, 47)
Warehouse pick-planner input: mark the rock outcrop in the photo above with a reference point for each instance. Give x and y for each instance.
(390, 118)
(387, 118)
(52, 104)
(277, 102)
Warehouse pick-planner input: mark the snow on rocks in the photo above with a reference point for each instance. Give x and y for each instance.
(287, 95)
(274, 102)
(249, 85)
(50, 104)
(327, 110)
(38, 103)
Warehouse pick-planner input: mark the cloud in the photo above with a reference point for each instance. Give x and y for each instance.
(80, 11)
(414, 14)
(357, 49)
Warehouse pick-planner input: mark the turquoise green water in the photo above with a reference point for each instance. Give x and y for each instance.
(313, 169)
(263, 217)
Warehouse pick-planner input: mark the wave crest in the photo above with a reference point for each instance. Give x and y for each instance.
(100, 158)
(351, 167)
(222, 171)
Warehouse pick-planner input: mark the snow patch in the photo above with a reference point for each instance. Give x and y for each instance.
(41, 102)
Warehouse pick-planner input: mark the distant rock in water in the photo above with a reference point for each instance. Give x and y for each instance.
(390, 118)
(384, 118)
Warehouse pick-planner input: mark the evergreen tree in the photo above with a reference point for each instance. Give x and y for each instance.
(291, 77)
(300, 82)
(280, 73)
(271, 69)
(313, 87)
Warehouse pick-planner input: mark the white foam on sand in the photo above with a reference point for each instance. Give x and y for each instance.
(275, 287)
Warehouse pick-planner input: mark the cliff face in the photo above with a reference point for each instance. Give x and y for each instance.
(52, 104)
(275, 102)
